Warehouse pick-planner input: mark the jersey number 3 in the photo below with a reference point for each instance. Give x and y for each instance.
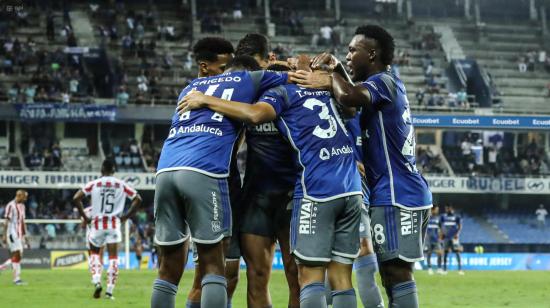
(323, 133)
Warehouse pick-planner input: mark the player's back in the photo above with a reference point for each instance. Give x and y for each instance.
(202, 140)
(108, 196)
(15, 212)
(310, 122)
(390, 146)
(270, 158)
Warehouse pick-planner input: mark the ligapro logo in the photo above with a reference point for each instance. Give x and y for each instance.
(535, 185)
(131, 180)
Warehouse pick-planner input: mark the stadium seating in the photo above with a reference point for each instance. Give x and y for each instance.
(498, 50)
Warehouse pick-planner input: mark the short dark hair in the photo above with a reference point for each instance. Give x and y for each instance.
(382, 37)
(108, 166)
(244, 62)
(253, 44)
(278, 68)
(208, 48)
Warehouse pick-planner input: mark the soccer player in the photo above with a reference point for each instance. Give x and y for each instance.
(192, 188)
(212, 55)
(108, 195)
(400, 196)
(267, 196)
(14, 234)
(366, 264)
(327, 198)
(433, 240)
(451, 225)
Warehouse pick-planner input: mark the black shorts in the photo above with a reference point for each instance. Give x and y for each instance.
(266, 213)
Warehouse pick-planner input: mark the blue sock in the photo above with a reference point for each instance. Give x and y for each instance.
(344, 298)
(164, 294)
(404, 295)
(365, 269)
(191, 304)
(313, 296)
(214, 291)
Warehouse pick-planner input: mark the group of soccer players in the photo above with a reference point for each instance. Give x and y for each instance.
(325, 153)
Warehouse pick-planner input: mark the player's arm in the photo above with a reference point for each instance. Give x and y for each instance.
(5, 235)
(77, 201)
(136, 203)
(249, 113)
(459, 227)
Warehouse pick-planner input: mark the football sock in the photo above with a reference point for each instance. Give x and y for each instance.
(459, 261)
(366, 267)
(164, 294)
(191, 304)
(96, 267)
(344, 299)
(328, 291)
(404, 295)
(5, 264)
(112, 275)
(16, 270)
(313, 296)
(214, 291)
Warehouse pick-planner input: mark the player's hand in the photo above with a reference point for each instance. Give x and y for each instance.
(361, 168)
(193, 100)
(87, 220)
(314, 80)
(324, 61)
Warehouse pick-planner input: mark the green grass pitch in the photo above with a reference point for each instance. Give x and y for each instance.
(72, 288)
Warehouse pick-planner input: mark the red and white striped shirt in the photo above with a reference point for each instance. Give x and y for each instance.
(15, 214)
(108, 197)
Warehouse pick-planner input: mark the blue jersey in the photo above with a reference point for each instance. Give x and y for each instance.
(390, 161)
(356, 136)
(202, 140)
(270, 158)
(433, 229)
(450, 224)
(354, 129)
(323, 148)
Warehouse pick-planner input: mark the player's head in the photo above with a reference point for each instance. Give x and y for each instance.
(243, 63)
(449, 209)
(257, 46)
(435, 210)
(108, 167)
(212, 55)
(541, 206)
(370, 51)
(21, 195)
(278, 68)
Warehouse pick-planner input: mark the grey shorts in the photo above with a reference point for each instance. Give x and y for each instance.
(191, 202)
(267, 213)
(398, 233)
(364, 226)
(321, 232)
(430, 245)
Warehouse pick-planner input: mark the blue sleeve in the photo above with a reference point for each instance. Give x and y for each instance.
(271, 79)
(380, 88)
(276, 97)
